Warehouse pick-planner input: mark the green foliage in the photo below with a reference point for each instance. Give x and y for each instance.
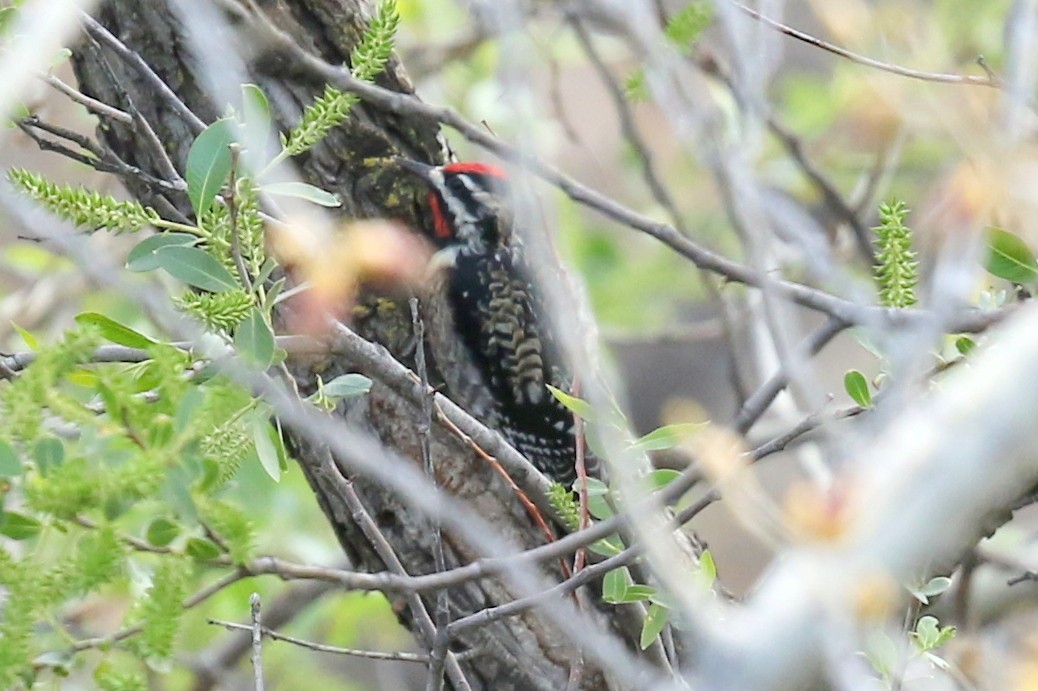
(685, 27)
(218, 311)
(160, 613)
(932, 588)
(857, 388)
(565, 505)
(683, 30)
(108, 677)
(1010, 258)
(98, 560)
(23, 597)
(930, 635)
(82, 207)
(368, 60)
(23, 400)
(233, 527)
(225, 447)
(209, 163)
(897, 270)
(248, 225)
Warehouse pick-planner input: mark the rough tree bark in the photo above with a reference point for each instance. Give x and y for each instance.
(523, 652)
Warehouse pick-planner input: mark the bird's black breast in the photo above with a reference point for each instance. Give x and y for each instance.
(500, 317)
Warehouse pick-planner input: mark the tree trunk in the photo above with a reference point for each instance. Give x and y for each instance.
(522, 652)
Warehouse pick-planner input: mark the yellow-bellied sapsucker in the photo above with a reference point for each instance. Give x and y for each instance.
(491, 333)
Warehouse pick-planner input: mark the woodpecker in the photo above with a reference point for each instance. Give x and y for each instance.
(492, 337)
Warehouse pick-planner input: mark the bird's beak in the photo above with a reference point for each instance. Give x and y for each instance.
(430, 174)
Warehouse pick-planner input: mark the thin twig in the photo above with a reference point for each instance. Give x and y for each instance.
(100, 158)
(759, 401)
(143, 69)
(320, 647)
(141, 123)
(587, 575)
(216, 662)
(441, 641)
(806, 425)
(232, 210)
(91, 104)
(942, 77)
(385, 552)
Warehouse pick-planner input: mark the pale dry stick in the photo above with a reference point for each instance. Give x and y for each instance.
(257, 642)
(88, 102)
(794, 147)
(941, 458)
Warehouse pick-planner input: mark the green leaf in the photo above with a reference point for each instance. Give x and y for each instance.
(209, 164)
(255, 117)
(162, 531)
(30, 340)
(265, 448)
(637, 593)
(254, 340)
(707, 568)
(18, 526)
(857, 388)
(655, 619)
(302, 190)
(666, 437)
(595, 487)
(929, 635)
(1009, 257)
(935, 586)
(347, 386)
(882, 653)
(965, 345)
(661, 477)
(195, 267)
(597, 498)
(115, 332)
(49, 453)
(10, 462)
(607, 546)
(201, 549)
(614, 585)
(576, 405)
(277, 438)
(143, 256)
